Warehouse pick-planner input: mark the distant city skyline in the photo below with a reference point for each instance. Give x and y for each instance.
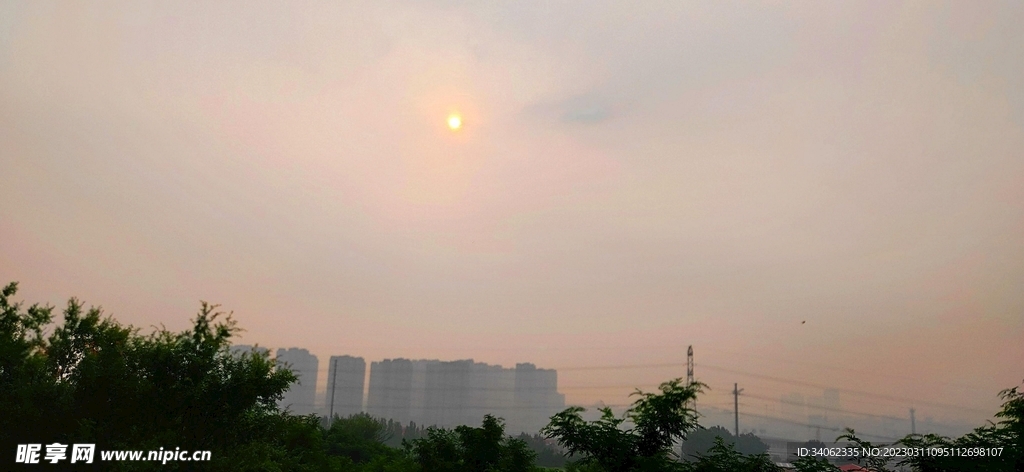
(398, 392)
(426, 392)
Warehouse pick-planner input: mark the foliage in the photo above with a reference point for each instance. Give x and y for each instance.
(701, 440)
(28, 392)
(469, 449)
(658, 421)
(92, 380)
(1007, 435)
(723, 457)
(750, 444)
(396, 433)
(546, 455)
(358, 438)
(874, 463)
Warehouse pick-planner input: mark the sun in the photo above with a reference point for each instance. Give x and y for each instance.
(454, 122)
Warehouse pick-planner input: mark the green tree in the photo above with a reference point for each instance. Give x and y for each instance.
(723, 457)
(657, 420)
(547, 456)
(874, 463)
(28, 393)
(1006, 435)
(701, 440)
(93, 380)
(470, 449)
(438, 451)
(358, 438)
(750, 444)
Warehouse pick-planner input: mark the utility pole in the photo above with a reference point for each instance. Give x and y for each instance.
(736, 406)
(334, 381)
(913, 424)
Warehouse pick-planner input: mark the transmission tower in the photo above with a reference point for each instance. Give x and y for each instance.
(689, 374)
(689, 365)
(736, 391)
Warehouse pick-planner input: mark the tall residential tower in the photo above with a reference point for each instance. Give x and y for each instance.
(345, 379)
(300, 395)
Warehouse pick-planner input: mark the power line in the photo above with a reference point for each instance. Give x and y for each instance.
(619, 366)
(837, 410)
(603, 387)
(861, 402)
(828, 428)
(845, 390)
(851, 412)
(833, 368)
(776, 379)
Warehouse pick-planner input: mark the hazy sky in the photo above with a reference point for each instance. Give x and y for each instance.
(632, 178)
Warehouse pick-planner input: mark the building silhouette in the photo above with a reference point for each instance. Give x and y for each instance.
(447, 393)
(300, 395)
(418, 395)
(491, 391)
(425, 392)
(452, 393)
(390, 392)
(345, 380)
(536, 398)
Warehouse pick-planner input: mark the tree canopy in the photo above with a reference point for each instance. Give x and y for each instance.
(93, 380)
(656, 422)
(471, 449)
(702, 440)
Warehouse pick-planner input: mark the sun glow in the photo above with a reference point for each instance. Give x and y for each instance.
(454, 122)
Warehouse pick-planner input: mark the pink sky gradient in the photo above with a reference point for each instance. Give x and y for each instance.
(630, 180)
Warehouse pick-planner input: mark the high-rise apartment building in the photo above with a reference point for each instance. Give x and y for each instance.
(536, 398)
(300, 395)
(491, 391)
(447, 393)
(345, 379)
(418, 395)
(452, 393)
(390, 392)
